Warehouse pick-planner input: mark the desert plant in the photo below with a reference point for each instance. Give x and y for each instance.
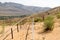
(58, 15)
(38, 19)
(48, 23)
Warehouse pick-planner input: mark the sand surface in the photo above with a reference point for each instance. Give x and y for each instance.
(38, 28)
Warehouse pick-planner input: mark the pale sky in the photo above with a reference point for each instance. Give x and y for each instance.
(39, 3)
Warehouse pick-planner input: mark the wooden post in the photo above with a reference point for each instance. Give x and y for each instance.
(11, 33)
(48, 13)
(27, 33)
(43, 17)
(17, 28)
(20, 25)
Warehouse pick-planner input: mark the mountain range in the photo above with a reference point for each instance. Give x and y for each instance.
(15, 9)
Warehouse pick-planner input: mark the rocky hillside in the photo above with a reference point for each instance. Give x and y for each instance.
(53, 11)
(15, 9)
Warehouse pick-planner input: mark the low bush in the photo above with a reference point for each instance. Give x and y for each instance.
(38, 19)
(48, 23)
(58, 15)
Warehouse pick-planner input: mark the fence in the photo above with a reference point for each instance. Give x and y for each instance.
(10, 31)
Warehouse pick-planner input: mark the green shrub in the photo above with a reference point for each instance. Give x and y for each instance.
(38, 19)
(48, 23)
(58, 15)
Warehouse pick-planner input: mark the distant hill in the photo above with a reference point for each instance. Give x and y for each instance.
(42, 15)
(52, 11)
(15, 9)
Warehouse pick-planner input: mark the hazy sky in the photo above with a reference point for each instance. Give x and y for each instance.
(41, 3)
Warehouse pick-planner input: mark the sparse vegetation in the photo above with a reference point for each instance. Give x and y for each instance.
(48, 23)
(38, 19)
(23, 21)
(58, 15)
(9, 20)
(11, 17)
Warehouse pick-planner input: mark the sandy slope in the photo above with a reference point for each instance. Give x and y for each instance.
(38, 28)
